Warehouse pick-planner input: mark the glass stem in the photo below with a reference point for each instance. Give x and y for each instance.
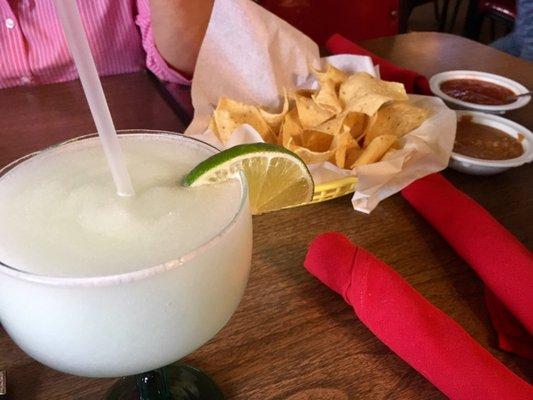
(152, 385)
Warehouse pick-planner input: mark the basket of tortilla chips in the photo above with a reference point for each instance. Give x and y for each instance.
(349, 121)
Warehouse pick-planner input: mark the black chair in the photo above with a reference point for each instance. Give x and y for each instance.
(407, 6)
(502, 11)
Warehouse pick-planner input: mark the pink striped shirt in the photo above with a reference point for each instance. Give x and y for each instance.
(33, 49)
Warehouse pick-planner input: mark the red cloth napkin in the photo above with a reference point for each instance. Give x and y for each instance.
(421, 334)
(414, 82)
(512, 336)
(500, 260)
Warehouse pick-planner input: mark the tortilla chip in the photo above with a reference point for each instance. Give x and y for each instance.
(274, 120)
(363, 93)
(304, 93)
(352, 154)
(331, 74)
(213, 126)
(341, 143)
(333, 125)
(355, 123)
(308, 156)
(397, 118)
(290, 127)
(296, 140)
(375, 150)
(317, 141)
(231, 114)
(311, 114)
(326, 97)
(388, 153)
(311, 157)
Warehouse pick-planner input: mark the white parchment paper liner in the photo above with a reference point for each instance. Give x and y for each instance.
(250, 55)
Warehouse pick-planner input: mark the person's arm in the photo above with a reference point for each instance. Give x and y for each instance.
(178, 28)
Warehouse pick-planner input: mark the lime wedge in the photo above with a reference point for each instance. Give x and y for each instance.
(277, 178)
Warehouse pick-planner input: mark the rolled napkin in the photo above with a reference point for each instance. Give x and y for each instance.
(413, 81)
(421, 334)
(503, 263)
(512, 336)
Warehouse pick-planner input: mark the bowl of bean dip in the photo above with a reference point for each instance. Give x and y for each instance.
(479, 91)
(487, 144)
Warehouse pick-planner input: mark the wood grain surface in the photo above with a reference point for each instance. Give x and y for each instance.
(292, 338)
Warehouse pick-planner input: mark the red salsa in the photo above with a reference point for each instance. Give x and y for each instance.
(477, 91)
(485, 142)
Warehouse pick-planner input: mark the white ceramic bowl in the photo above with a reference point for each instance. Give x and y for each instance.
(477, 166)
(438, 79)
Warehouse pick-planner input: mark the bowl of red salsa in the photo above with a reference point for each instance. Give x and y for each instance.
(487, 144)
(478, 91)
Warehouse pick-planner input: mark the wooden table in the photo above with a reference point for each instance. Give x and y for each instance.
(291, 337)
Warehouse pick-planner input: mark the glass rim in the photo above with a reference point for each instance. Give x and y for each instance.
(143, 273)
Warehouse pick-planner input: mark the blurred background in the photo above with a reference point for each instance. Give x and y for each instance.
(481, 20)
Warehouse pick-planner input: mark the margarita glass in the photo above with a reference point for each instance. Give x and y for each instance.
(111, 294)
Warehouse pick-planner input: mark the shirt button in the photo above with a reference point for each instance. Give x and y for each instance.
(10, 23)
(25, 80)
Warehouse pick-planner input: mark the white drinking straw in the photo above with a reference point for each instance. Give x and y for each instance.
(69, 16)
